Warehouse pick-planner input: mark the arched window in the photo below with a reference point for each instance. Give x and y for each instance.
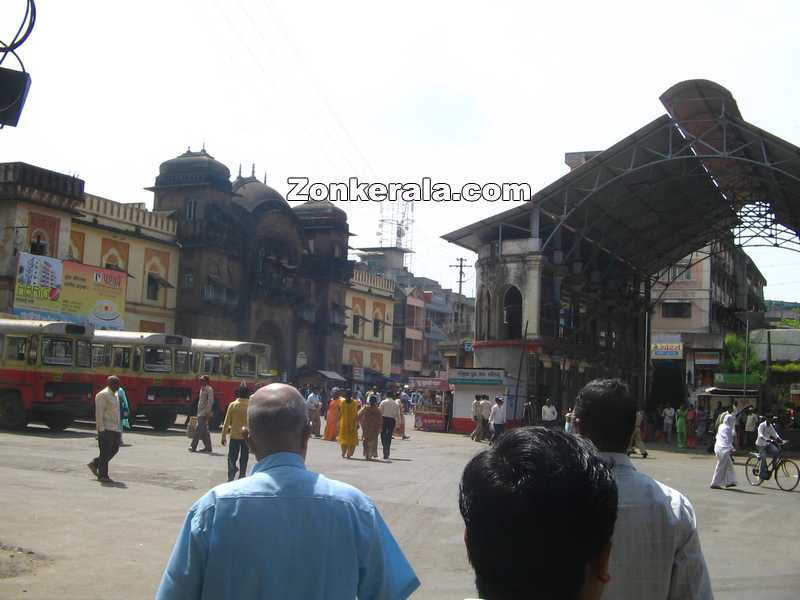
(512, 314)
(483, 329)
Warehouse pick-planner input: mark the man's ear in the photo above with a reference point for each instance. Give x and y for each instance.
(248, 439)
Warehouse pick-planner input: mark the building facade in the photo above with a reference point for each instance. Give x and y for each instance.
(254, 268)
(48, 214)
(367, 348)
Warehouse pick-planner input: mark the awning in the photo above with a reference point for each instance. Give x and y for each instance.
(716, 391)
(332, 375)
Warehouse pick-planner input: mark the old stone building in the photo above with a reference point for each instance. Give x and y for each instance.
(254, 268)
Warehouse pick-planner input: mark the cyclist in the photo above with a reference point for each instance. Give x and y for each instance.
(767, 444)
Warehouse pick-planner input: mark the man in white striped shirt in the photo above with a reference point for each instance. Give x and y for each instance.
(655, 552)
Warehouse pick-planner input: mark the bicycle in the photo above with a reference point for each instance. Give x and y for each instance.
(787, 473)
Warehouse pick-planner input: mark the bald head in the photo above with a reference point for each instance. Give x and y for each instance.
(277, 420)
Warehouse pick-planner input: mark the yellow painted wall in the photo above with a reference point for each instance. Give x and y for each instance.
(365, 342)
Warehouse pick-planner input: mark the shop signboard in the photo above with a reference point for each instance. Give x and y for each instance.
(706, 358)
(666, 351)
(358, 373)
(476, 376)
(51, 289)
(428, 383)
(429, 421)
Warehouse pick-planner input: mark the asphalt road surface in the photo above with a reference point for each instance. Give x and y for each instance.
(78, 539)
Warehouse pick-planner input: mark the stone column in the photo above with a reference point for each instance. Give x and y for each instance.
(532, 294)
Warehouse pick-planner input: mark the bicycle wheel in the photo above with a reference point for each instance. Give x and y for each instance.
(787, 475)
(751, 471)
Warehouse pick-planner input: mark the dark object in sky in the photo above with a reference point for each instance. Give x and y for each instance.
(14, 87)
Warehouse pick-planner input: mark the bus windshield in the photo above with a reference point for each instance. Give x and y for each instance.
(245, 365)
(57, 351)
(158, 360)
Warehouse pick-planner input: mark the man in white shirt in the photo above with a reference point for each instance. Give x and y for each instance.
(313, 404)
(476, 417)
(391, 415)
(109, 431)
(497, 418)
(669, 420)
(655, 551)
(549, 414)
(767, 444)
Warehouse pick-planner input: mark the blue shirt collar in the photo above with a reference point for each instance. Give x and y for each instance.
(279, 459)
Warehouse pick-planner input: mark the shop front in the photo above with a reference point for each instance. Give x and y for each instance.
(466, 383)
(434, 409)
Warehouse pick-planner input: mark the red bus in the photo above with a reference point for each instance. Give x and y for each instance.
(228, 364)
(45, 373)
(155, 369)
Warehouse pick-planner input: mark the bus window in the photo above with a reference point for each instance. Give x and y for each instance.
(83, 354)
(137, 358)
(245, 365)
(100, 357)
(122, 357)
(211, 363)
(157, 360)
(183, 361)
(226, 364)
(15, 347)
(57, 351)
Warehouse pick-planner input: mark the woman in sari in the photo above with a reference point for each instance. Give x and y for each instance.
(332, 417)
(371, 421)
(348, 426)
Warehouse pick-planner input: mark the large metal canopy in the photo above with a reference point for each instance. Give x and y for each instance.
(690, 177)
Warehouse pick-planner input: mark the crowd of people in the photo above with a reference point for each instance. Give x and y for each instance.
(561, 513)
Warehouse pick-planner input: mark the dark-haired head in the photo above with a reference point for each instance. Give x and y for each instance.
(606, 414)
(539, 509)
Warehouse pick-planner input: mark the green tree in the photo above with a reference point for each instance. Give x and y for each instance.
(735, 351)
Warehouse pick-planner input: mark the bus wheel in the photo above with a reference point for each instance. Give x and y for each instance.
(161, 421)
(12, 414)
(58, 421)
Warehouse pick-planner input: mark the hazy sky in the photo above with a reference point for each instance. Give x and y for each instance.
(456, 91)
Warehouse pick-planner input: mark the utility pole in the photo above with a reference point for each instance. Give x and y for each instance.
(460, 267)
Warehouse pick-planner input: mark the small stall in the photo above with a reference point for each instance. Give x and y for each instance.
(433, 411)
(466, 383)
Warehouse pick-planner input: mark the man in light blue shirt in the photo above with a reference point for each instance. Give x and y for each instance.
(255, 537)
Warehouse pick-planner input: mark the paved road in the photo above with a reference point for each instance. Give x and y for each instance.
(99, 542)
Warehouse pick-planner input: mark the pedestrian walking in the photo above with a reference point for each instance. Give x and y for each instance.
(497, 418)
(669, 420)
(724, 474)
(636, 438)
(486, 411)
(750, 428)
(312, 407)
(234, 424)
(400, 425)
(655, 550)
(109, 425)
(691, 418)
(124, 414)
(476, 418)
(332, 416)
(205, 410)
(680, 425)
(568, 420)
(371, 421)
(391, 415)
(549, 414)
(261, 537)
(701, 423)
(348, 426)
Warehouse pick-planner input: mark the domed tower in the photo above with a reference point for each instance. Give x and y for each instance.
(275, 288)
(328, 270)
(197, 189)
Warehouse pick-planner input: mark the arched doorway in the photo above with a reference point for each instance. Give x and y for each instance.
(270, 334)
(512, 314)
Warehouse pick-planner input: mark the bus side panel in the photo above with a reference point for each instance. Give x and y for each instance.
(24, 383)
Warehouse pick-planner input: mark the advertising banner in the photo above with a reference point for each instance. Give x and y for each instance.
(667, 351)
(51, 289)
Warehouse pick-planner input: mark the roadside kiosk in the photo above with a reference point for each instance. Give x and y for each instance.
(432, 411)
(466, 383)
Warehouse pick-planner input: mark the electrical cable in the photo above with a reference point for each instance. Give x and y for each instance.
(16, 42)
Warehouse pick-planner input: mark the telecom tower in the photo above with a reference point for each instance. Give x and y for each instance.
(396, 227)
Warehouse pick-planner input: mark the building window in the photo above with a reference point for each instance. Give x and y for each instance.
(676, 310)
(152, 287)
(191, 210)
(376, 329)
(39, 246)
(356, 324)
(188, 280)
